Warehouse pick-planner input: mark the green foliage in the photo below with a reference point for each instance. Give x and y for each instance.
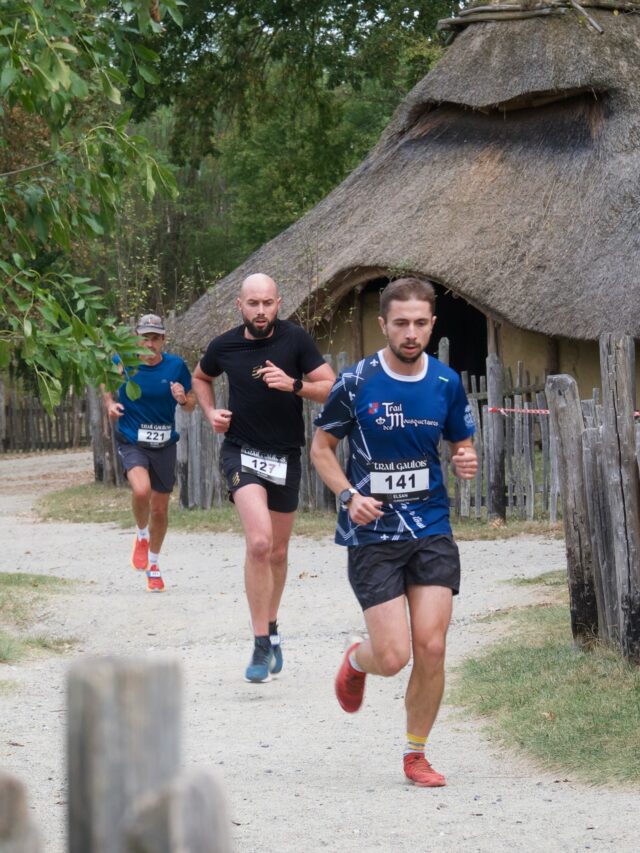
(220, 62)
(286, 99)
(571, 710)
(66, 155)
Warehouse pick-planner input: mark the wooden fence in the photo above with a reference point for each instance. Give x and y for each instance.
(25, 426)
(599, 459)
(516, 442)
(126, 790)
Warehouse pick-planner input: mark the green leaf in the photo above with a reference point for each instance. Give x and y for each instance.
(28, 327)
(109, 89)
(133, 390)
(5, 354)
(8, 77)
(148, 74)
(138, 88)
(146, 53)
(93, 223)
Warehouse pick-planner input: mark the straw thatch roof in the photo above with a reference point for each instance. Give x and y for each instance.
(510, 174)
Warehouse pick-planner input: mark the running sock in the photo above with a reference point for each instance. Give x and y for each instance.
(153, 559)
(265, 642)
(273, 633)
(352, 661)
(415, 744)
(142, 533)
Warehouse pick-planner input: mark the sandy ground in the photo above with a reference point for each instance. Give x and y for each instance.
(299, 773)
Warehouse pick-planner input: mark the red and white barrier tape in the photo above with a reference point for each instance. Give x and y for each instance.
(502, 411)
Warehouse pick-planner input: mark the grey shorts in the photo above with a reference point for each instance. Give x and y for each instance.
(382, 571)
(160, 462)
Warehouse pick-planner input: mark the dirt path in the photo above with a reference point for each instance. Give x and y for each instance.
(299, 773)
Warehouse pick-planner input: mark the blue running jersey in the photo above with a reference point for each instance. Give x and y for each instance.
(153, 413)
(394, 424)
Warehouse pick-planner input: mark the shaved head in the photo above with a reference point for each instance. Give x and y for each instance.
(258, 280)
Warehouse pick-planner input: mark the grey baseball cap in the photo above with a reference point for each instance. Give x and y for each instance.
(149, 324)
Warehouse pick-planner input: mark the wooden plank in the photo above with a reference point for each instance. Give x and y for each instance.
(443, 350)
(566, 416)
(190, 815)
(617, 373)
(182, 457)
(495, 484)
(529, 478)
(479, 446)
(600, 528)
(541, 403)
(510, 474)
(518, 457)
(123, 739)
(17, 831)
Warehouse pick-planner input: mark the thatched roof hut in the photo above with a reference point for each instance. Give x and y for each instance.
(510, 175)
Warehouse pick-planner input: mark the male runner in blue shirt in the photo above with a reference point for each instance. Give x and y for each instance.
(146, 438)
(394, 407)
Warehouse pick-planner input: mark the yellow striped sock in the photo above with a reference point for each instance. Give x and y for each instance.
(415, 744)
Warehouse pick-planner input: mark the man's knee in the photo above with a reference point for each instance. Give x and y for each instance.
(392, 659)
(430, 650)
(141, 491)
(279, 553)
(259, 546)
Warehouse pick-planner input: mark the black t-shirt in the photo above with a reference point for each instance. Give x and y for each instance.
(263, 417)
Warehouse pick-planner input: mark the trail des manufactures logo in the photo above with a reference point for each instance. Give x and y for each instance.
(391, 416)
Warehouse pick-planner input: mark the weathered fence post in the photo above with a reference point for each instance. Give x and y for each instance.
(123, 740)
(565, 413)
(496, 507)
(106, 465)
(3, 416)
(189, 815)
(617, 370)
(601, 531)
(17, 832)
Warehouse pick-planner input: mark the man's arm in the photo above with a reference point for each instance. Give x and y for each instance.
(114, 409)
(185, 399)
(362, 509)
(315, 387)
(220, 419)
(464, 459)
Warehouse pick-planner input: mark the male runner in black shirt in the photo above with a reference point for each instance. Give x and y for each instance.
(265, 359)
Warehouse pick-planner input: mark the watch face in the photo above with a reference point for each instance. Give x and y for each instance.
(345, 496)
(297, 385)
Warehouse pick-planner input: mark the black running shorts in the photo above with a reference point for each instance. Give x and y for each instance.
(280, 498)
(383, 571)
(160, 462)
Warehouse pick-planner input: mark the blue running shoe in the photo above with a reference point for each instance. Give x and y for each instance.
(276, 648)
(262, 662)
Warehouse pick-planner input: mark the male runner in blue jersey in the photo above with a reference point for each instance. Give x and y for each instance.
(146, 438)
(394, 519)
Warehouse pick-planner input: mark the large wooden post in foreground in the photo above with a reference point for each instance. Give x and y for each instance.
(123, 741)
(565, 412)
(617, 370)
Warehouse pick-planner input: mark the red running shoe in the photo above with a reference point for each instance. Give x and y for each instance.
(154, 580)
(418, 770)
(349, 683)
(140, 554)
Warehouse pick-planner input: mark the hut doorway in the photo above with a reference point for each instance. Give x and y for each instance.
(464, 325)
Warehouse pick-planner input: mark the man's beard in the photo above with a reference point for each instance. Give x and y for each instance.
(255, 331)
(406, 359)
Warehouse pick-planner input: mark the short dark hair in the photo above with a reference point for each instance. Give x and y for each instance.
(403, 289)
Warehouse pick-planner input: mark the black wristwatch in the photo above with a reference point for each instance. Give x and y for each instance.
(346, 496)
(297, 386)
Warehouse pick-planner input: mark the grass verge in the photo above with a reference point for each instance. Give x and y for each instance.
(572, 711)
(94, 502)
(21, 594)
